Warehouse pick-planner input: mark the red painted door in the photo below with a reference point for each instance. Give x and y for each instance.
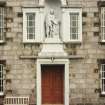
(53, 84)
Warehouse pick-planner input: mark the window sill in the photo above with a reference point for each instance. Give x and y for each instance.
(29, 42)
(102, 42)
(1, 93)
(73, 42)
(2, 41)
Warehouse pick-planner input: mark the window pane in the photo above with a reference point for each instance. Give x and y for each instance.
(103, 67)
(1, 34)
(1, 78)
(31, 16)
(74, 23)
(31, 36)
(31, 30)
(1, 23)
(0, 75)
(103, 85)
(31, 23)
(73, 36)
(1, 88)
(74, 30)
(0, 17)
(103, 77)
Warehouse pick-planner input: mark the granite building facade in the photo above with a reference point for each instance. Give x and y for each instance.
(70, 58)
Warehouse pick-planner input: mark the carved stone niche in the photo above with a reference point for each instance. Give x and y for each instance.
(53, 44)
(52, 19)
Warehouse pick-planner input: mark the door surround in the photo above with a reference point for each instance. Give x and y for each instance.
(64, 62)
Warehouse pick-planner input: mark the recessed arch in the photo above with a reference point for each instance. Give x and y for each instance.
(42, 2)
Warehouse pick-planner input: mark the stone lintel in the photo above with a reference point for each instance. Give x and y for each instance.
(68, 6)
(36, 6)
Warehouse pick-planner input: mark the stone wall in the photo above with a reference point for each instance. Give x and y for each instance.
(84, 74)
(20, 78)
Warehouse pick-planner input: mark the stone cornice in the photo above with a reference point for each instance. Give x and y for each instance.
(52, 57)
(68, 6)
(36, 6)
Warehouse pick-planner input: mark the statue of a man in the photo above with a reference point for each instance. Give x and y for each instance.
(52, 25)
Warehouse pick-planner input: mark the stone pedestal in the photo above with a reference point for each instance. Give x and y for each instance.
(52, 47)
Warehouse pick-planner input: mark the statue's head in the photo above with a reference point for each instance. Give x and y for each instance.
(52, 11)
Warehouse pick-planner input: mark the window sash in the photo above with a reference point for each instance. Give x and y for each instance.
(30, 26)
(103, 78)
(103, 23)
(1, 24)
(74, 21)
(1, 78)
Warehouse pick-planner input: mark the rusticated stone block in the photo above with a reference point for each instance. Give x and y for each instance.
(83, 74)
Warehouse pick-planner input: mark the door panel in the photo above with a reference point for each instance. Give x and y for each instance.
(53, 84)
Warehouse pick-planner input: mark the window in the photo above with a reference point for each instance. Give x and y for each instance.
(72, 25)
(103, 24)
(30, 25)
(33, 21)
(103, 78)
(1, 79)
(1, 24)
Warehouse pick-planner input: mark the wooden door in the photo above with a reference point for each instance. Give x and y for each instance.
(53, 84)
